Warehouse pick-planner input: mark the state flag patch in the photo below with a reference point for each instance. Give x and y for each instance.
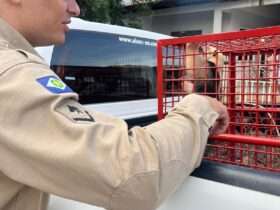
(54, 85)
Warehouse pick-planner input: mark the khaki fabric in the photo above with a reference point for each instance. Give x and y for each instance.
(49, 143)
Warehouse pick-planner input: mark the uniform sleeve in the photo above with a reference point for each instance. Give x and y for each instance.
(52, 143)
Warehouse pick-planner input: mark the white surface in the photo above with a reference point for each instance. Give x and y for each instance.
(197, 194)
(201, 194)
(58, 203)
(77, 23)
(45, 53)
(127, 109)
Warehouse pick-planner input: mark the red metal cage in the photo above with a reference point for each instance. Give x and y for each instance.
(242, 70)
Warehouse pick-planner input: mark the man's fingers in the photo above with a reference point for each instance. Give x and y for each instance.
(222, 122)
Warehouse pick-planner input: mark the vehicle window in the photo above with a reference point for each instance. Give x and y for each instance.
(103, 67)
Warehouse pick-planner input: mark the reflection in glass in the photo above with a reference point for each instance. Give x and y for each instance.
(104, 67)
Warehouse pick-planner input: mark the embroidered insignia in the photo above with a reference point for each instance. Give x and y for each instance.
(79, 114)
(75, 112)
(54, 85)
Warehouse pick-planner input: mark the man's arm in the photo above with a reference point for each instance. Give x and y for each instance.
(53, 144)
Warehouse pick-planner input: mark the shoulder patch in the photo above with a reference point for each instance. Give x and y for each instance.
(54, 85)
(75, 112)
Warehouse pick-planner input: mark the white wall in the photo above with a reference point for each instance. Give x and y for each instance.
(242, 14)
(250, 18)
(182, 22)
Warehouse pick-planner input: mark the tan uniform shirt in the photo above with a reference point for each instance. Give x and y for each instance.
(50, 143)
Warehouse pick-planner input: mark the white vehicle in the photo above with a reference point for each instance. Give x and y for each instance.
(113, 69)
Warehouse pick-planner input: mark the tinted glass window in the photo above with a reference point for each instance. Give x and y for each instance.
(104, 67)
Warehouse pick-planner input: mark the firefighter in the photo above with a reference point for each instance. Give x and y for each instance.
(50, 144)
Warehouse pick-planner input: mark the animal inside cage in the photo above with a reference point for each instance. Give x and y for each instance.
(242, 70)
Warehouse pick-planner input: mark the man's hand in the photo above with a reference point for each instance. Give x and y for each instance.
(222, 122)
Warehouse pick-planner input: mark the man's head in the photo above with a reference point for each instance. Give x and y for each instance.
(41, 22)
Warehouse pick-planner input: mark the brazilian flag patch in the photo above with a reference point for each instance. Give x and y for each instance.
(54, 85)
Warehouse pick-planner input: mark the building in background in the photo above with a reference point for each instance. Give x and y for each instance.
(190, 17)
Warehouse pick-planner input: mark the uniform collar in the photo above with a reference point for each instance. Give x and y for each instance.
(14, 39)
